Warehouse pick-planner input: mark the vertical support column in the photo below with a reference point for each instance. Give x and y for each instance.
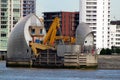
(55, 60)
(40, 58)
(31, 63)
(48, 56)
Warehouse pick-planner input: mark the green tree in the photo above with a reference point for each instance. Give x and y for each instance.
(117, 50)
(108, 51)
(102, 52)
(105, 52)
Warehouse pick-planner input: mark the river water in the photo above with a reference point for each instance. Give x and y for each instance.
(56, 74)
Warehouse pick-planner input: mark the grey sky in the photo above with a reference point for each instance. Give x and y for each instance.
(57, 5)
(72, 5)
(115, 9)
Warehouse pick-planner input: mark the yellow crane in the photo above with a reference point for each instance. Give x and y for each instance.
(51, 35)
(48, 42)
(36, 46)
(50, 38)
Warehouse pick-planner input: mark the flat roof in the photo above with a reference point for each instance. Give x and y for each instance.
(115, 22)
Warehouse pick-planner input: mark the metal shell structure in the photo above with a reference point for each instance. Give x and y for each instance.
(85, 38)
(82, 32)
(18, 49)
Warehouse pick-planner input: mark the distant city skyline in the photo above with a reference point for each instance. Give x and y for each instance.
(70, 5)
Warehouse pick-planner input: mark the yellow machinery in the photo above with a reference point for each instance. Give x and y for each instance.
(50, 38)
(36, 46)
(66, 39)
(51, 35)
(48, 42)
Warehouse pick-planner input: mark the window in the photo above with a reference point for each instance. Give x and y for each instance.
(15, 10)
(118, 35)
(118, 43)
(85, 41)
(3, 26)
(91, 3)
(33, 31)
(94, 15)
(40, 31)
(94, 11)
(91, 7)
(117, 30)
(88, 15)
(88, 19)
(88, 11)
(4, 1)
(3, 22)
(117, 38)
(3, 35)
(94, 23)
(94, 19)
(3, 9)
(94, 27)
(2, 14)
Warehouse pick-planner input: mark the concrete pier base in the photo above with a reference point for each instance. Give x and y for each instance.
(80, 60)
(18, 63)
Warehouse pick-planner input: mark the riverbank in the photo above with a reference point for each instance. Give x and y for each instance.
(56, 74)
(108, 61)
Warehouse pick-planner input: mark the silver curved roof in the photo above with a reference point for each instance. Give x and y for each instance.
(18, 42)
(81, 32)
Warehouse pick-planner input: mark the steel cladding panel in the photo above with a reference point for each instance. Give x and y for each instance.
(18, 47)
(76, 48)
(60, 50)
(81, 32)
(71, 49)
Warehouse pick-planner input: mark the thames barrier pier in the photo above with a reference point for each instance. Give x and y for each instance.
(29, 45)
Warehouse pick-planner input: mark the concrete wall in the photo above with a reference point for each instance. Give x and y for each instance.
(77, 59)
(91, 59)
(61, 49)
(109, 61)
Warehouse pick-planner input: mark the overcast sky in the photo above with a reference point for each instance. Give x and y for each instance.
(71, 5)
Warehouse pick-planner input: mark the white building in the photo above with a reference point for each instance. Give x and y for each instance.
(96, 13)
(115, 34)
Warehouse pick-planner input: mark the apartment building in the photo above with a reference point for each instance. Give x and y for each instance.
(96, 13)
(10, 12)
(29, 6)
(114, 34)
(68, 21)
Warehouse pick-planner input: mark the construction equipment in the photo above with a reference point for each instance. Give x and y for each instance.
(66, 39)
(50, 38)
(36, 46)
(51, 35)
(48, 42)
